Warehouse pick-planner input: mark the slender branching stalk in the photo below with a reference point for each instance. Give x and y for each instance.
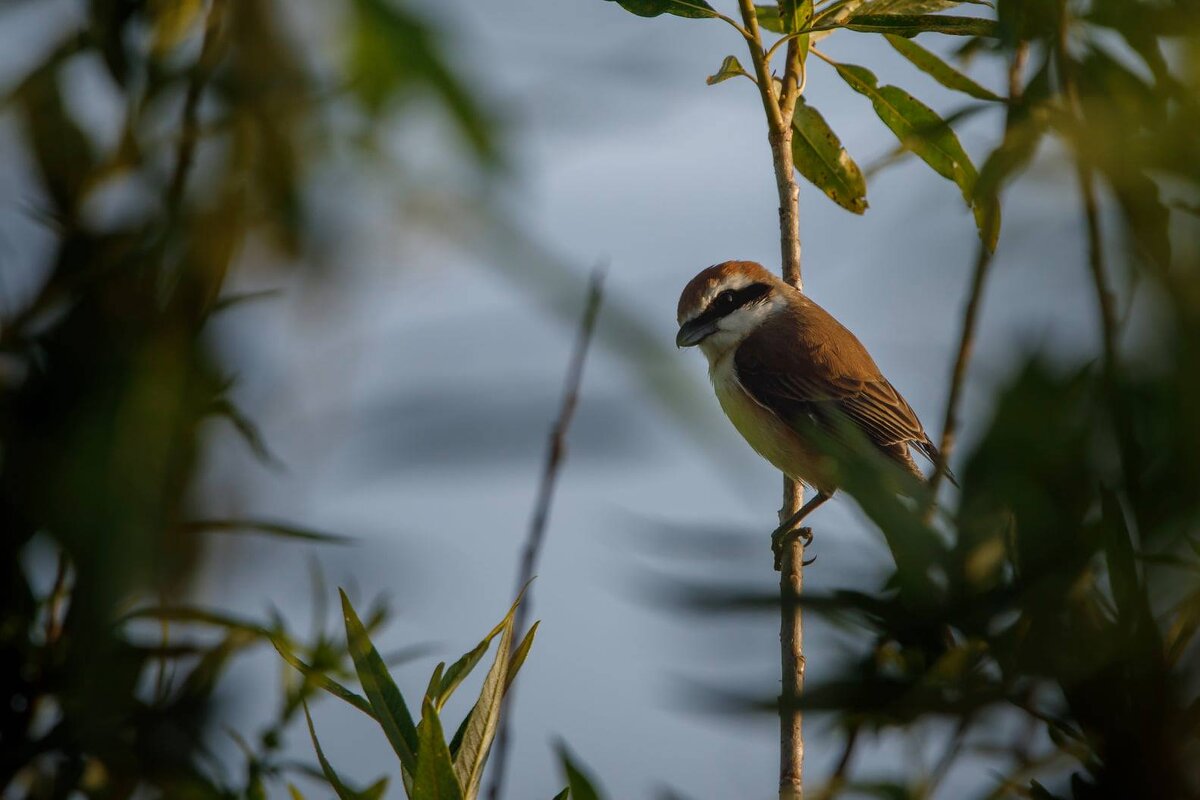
(555, 453)
(970, 318)
(779, 108)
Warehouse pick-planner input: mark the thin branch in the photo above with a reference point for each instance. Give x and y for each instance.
(791, 559)
(793, 82)
(58, 593)
(834, 786)
(555, 453)
(201, 72)
(966, 341)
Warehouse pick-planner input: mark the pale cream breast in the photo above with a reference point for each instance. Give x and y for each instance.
(771, 437)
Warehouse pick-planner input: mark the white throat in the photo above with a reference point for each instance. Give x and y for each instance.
(734, 328)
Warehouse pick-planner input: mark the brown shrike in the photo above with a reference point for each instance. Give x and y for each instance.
(777, 359)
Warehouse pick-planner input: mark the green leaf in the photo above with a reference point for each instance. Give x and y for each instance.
(912, 24)
(435, 683)
(480, 727)
(381, 690)
(565, 794)
(582, 785)
(191, 614)
(821, 159)
(342, 791)
(391, 49)
(280, 529)
(918, 6)
(172, 20)
(768, 18)
(922, 131)
(224, 407)
(519, 655)
(460, 669)
(795, 15)
(730, 68)
(939, 70)
(435, 776)
(323, 681)
(294, 793)
(375, 791)
(694, 9)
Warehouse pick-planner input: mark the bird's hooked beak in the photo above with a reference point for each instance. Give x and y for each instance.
(694, 332)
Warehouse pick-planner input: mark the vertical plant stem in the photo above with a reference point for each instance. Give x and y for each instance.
(190, 128)
(966, 341)
(779, 109)
(555, 453)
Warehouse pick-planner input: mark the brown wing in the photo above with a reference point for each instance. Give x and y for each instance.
(824, 374)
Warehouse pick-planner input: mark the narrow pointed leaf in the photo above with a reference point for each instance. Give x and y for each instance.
(919, 6)
(339, 788)
(520, 654)
(694, 9)
(471, 754)
(460, 669)
(795, 15)
(434, 778)
(376, 791)
(939, 70)
(381, 690)
(730, 68)
(295, 793)
(920, 129)
(280, 529)
(581, 785)
(565, 794)
(435, 683)
(324, 681)
(821, 159)
(912, 24)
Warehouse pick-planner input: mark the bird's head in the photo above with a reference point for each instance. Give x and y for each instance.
(725, 303)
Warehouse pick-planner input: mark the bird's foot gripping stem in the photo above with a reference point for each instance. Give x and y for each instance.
(788, 531)
(782, 537)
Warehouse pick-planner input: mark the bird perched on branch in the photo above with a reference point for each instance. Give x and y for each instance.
(777, 361)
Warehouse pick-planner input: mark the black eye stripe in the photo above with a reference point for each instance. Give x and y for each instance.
(741, 297)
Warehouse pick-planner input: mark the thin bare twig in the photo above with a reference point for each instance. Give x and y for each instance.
(834, 786)
(201, 72)
(555, 453)
(966, 341)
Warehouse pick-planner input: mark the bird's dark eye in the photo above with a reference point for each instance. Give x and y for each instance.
(725, 298)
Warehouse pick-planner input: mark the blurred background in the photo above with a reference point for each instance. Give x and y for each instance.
(316, 267)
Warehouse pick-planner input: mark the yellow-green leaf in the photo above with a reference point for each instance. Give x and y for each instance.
(939, 70)
(730, 68)
(821, 159)
(381, 690)
(912, 24)
(335, 782)
(172, 20)
(681, 8)
(922, 131)
(581, 785)
(434, 778)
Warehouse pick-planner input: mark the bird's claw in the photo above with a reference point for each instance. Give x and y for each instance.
(782, 537)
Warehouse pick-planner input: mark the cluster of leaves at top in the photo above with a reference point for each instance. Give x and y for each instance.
(816, 149)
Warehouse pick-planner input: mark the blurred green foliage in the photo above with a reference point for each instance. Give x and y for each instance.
(107, 378)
